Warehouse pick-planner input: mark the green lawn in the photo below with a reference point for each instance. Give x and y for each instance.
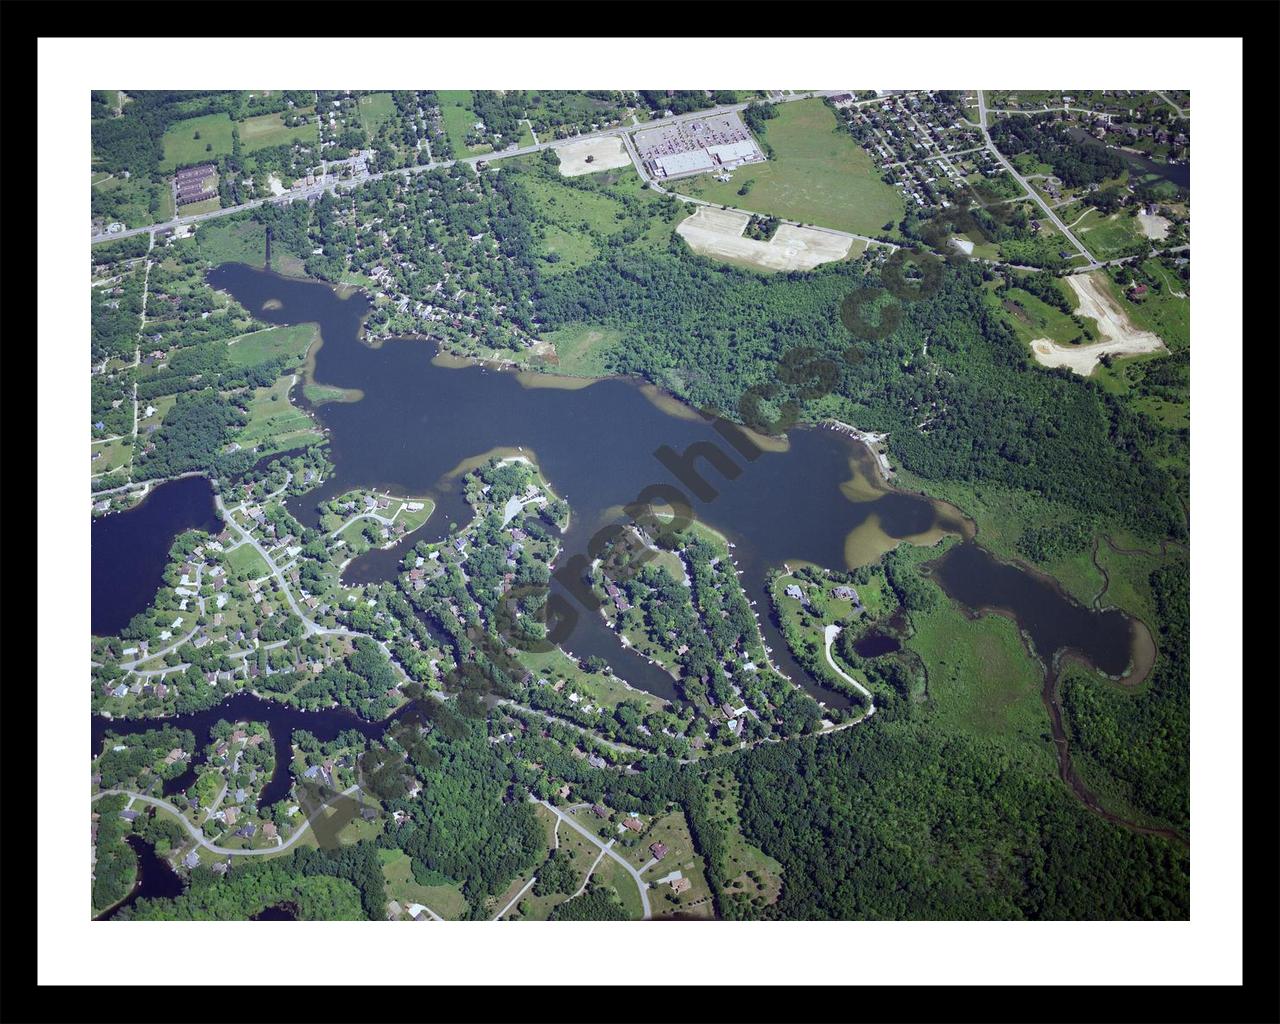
(208, 206)
(375, 110)
(1162, 312)
(245, 558)
(261, 346)
(182, 149)
(613, 875)
(269, 130)
(818, 175)
(111, 455)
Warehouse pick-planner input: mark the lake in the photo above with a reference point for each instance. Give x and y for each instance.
(156, 879)
(424, 420)
(281, 719)
(129, 550)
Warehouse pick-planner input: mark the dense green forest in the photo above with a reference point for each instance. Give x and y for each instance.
(1075, 162)
(903, 822)
(463, 824)
(115, 867)
(1103, 718)
(143, 753)
(324, 885)
(596, 904)
(191, 436)
(712, 333)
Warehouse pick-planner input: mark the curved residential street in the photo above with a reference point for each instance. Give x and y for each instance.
(830, 633)
(198, 836)
(607, 848)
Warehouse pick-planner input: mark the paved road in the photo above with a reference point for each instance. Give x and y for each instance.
(1031, 192)
(829, 634)
(528, 885)
(361, 174)
(198, 836)
(1181, 112)
(640, 882)
(590, 871)
(310, 628)
(129, 665)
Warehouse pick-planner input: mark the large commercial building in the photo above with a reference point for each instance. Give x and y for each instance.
(696, 145)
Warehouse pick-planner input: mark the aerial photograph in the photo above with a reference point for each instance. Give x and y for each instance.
(546, 505)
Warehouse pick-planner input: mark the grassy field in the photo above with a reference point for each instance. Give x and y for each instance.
(317, 394)
(111, 455)
(397, 869)
(260, 346)
(877, 596)
(269, 130)
(274, 422)
(582, 350)
(375, 110)
(1032, 318)
(208, 206)
(1162, 312)
(818, 175)
(458, 117)
(1109, 235)
(613, 875)
(245, 558)
(182, 149)
(572, 218)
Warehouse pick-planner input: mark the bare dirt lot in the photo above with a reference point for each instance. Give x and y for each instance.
(718, 233)
(1119, 336)
(1154, 226)
(605, 153)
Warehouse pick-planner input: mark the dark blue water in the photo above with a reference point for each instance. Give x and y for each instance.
(156, 879)
(281, 720)
(129, 550)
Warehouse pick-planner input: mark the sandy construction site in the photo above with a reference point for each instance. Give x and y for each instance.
(604, 153)
(1119, 336)
(718, 233)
